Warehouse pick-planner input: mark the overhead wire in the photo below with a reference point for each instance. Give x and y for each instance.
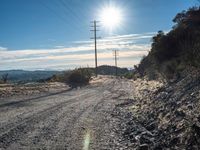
(67, 22)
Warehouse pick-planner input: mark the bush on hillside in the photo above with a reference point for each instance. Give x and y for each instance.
(173, 52)
(79, 77)
(128, 75)
(4, 78)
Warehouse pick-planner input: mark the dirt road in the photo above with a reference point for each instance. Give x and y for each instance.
(78, 119)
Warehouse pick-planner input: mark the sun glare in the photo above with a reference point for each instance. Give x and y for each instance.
(111, 17)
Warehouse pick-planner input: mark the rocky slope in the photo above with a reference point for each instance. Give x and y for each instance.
(163, 116)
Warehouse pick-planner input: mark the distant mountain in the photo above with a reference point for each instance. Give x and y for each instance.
(111, 70)
(22, 76)
(27, 76)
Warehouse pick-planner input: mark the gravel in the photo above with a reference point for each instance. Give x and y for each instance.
(110, 114)
(75, 119)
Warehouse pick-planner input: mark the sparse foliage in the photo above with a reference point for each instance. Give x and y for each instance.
(4, 78)
(171, 53)
(79, 77)
(74, 78)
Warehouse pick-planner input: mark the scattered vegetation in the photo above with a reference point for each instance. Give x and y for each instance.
(128, 75)
(175, 51)
(22, 76)
(82, 76)
(111, 70)
(79, 77)
(4, 78)
(74, 78)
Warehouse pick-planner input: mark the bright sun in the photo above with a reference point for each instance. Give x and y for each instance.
(111, 17)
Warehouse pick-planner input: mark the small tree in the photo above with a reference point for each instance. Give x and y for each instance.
(4, 78)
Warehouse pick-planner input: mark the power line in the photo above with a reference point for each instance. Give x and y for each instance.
(95, 26)
(76, 17)
(70, 10)
(53, 11)
(61, 17)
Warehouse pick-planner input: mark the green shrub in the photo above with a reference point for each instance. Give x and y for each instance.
(78, 77)
(4, 79)
(128, 75)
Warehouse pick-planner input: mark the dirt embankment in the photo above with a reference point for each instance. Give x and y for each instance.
(36, 89)
(163, 116)
(9, 90)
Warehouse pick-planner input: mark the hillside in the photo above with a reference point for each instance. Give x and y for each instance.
(175, 51)
(111, 70)
(165, 109)
(27, 76)
(23, 76)
(163, 116)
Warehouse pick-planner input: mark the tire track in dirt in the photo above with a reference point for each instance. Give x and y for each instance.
(66, 120)
(67, 134)
(31, 99)
(93, 121)
(18, 119)
(10, 134)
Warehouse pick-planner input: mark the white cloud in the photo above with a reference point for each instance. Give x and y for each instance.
(120, 38)
(82, 54)
(59, 46)
(3, 48)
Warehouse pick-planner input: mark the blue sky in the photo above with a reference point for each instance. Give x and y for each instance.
(55, 34)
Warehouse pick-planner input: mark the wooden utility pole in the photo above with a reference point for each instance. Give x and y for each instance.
(115, 57)
(94, 26)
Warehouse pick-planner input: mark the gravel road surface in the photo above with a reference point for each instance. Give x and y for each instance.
(77, 119)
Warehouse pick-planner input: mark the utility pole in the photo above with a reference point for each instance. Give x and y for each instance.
(115, 57)
(94, 26)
